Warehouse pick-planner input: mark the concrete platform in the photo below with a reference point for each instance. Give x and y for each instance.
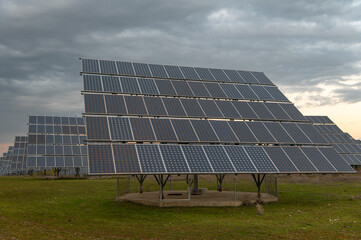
(209, 199)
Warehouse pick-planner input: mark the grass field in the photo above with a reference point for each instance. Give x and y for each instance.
(318, 207)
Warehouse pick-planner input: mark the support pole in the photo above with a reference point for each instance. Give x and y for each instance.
(117, 194)
(235, 187)
(160, 180)
(220, 178)
(258, 180)
(195, 189)
(141, 179)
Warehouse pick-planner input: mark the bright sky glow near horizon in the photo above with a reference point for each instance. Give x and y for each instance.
(310, 49)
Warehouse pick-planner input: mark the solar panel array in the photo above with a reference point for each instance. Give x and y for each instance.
(5, 167)
(344, 144)
(149, 119)
(56, 142)
(18, 157)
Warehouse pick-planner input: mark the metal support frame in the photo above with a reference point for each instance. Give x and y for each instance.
(195, 190)
(77, 172)
(189, 182)
(161, 182)
(235, 187)
(57, 171)
(258, 180)
(141, 179)
(220, 178)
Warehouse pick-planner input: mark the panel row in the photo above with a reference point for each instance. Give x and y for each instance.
(21, 139)
(20, 144)
(173, 72)
(352, 159)
(57, 139)
(347, 148)
(50, 162)
(56, 120)
(329, 128)
(51, 129)
(337, 137)
(185, 130)
(319, 119)
(191, 108)
(148, 86)
(56, 150)
(178, 159)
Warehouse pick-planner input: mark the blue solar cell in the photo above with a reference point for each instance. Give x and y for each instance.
(69, 162)
(125, 68)
(90, 65)
(277, 111)
(174, 72)
(233, 76)
(219, 75)
(174, 107)
(318, 160)
(182, 88)
(261, 132)
(111, 84)
(189, 73)
(115, 104)
(129, 85)
(210, 109)
(204, 131)
(196, 158)
(100, 159)
(231, 91)
(68, 150)
(94, 103)
(204, 74)
(242, 132)
(240, 159)
(59, 161)
(49, 120)
(49, 139)
(120, 129)
(278, 132)
(50, 161)
(150, 159)
(64, 120)
(276, 94)
(107, 67)
(49, 150)
(40, 162)
(248, 77)
(336, 160)
(224, 131)
(299, 159)
(32, 129)
(246, 92)
(218, 159)
(174, 159)
(228, 109)
(155, 106)
(135, 105)
(59, 150)
(142, 69)
(215, 90)
(245, 110)
(32, 119)
(262, 78)
(311, 133)
(262, 112)
(260, 159)
(192, 108)
(148, 86)
(295, 132)
(199, 89)
(77, 161)
(97, 128)
(72, 121)
(165, 87)
(262, 93)
(280, 159)
(41, 120)
(163, 130)
(293, 112)
(126, 159)
(158, 70)
(142, 130)
(184, 130)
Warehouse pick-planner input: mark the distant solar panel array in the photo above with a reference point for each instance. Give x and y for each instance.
(157, 119)
(56, 142)
(345, 145)
(18, 157)
(5, 165)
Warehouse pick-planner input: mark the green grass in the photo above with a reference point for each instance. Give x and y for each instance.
(308, 208)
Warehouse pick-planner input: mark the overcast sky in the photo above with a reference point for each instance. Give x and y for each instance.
(310, 49)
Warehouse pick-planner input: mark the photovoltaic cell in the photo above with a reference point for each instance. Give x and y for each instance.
(248, 77)
(278, 132)
(260, 159)
(107, 67)
(115, 104)
(196, 159)
(262, 112)
(293, 112)
(100, 159)
(335, 159)
(276, 94)
(163, 130)
(246, 92)
(192, 108)
(174, 159)
(125, 68)
(158, 70)
(125, 158)
(135, 105)
(92, 83)
(239, 158)
(182, 88)
(299, 159)
(204, 131)
(142, 130)
(90, 66)
(97, 128)
(155, 106)
(262, 93)
(174, 107)
(245, 110)
(277, 111)
(120, 129)
(295, 132)
(219, 75)
(129, 85)
(174, 72)
(242, 132)
(318, 160)
(199, 89)
(189, 73)
(210, 109)
(215, 90)
(280, 159)
(148, 86)
(184, 130)
(223, 131)
(150, 158)
(230, 91)
(141, 69)
(165, 87)
(311, 133)
(262, 78)
(233, 76)
(227, 109)
(261, 132)
(218, 159)
(111, 84)
(204, 74)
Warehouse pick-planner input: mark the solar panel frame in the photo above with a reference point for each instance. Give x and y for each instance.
(281, 160)
(150, 159)
(218, 159)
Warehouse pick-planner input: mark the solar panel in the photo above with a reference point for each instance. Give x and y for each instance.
(317, 159)
(260, 159)
(142, 130)
(192, 108)
(163, 130)
(233, 76)
(199, 89)
(231, 91)
(219, 75)
(100, 159)
(165, 87)
(245, 111)
(148, 86)
(158, 71)
(261, 132)
(184, 130)
(107, 67)
(189, 73)
(247, 77)
(223, 131)
(276, 94)
(227, 109)
(135, 105)
(150, 158)
(115, 104)
(280, 159)
(218, 159)
(277, 111)
(293, 112)
(125, 68)
(299, 159)
(261, 92)
(204, 74)
(97, 128)
(262, 78)
(141, 69)
(242, 132)
(174, 107)
(94, 103)
(311, 133)
(182, 88)
(295, 132)
(210, 109)
(240, 159)
(174, 159)
(90, 66)
(215, 90)
(196, 158)
(91, 83)
(129, 85)
(246, 92)
(204, 131)
(261, 111)
(111, 84)
(120, 128)
(155, 106)
(335, 159)
(278, 132)
(174, 72)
